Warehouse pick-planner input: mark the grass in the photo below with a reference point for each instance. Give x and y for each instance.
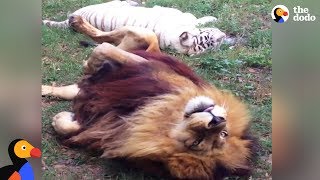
(244, 69)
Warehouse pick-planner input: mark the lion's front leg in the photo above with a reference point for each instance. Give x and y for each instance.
(64, 92)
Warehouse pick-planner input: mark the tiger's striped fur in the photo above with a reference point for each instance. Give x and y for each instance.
(175, 30)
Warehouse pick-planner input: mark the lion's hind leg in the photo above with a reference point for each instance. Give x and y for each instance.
(64, 123)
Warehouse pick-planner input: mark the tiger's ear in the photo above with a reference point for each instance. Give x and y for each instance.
(184, 36)
(186, 166)
(186, 39)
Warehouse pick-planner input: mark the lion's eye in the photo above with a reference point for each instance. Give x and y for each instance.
(223, 134)
(197, 142)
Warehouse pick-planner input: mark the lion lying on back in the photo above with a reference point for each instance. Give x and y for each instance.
(147, 106)
(174, 29)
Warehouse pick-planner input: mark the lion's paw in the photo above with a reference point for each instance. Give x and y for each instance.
(63, 123)
(46, 90)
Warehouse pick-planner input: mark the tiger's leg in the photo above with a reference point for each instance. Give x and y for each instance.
(206, 19)
(64, 92)
(127, 38)
(64, 123)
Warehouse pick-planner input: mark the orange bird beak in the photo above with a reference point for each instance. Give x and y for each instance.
(285, 13)
(35, 152)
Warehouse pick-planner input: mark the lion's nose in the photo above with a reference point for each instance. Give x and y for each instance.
(216, 120)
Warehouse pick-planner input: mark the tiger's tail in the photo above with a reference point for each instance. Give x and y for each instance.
(62, 24)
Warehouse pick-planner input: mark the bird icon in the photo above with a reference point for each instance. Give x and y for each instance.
(279, 13)
(20, 169)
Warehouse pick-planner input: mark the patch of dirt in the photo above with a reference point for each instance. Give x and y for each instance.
(75, 165)
(262, 82)
(49, 61)
(46, 103)
(84, 171)
(254, 83)
(269, 159)
(266, 23)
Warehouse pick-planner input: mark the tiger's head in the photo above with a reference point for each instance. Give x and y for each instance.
(201, 40)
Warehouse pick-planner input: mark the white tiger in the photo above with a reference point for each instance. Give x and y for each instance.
(175, 30)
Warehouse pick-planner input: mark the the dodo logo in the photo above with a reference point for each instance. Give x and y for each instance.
(19, 150)
(280, 14)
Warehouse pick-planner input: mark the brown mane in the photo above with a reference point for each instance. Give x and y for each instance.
(107, 90)
(177, 65)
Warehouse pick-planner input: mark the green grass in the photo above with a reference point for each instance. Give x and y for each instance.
(244, 69)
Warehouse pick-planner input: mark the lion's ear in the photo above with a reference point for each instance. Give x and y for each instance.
(186, 166)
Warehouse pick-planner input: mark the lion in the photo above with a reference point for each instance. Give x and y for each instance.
(148, 106)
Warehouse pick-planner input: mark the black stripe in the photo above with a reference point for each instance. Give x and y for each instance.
(125, 22)
(111, 26)
(103, 28)
(95, 21)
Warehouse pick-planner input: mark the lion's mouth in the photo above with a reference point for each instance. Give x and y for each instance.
(204, 105)
(218, 118)
(201, 108)
(210, 108)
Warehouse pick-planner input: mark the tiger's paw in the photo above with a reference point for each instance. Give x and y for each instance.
(206, 19)
(75, 21)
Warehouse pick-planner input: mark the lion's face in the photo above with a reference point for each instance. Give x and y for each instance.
(203, 127)
(211, 135)
(192, 134)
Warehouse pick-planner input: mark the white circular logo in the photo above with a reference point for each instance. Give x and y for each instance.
(280, 13)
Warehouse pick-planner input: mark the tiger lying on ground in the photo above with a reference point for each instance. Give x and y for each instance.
(149, 107)
(175, 30)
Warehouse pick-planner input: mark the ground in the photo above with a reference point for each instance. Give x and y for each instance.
(243, 68)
